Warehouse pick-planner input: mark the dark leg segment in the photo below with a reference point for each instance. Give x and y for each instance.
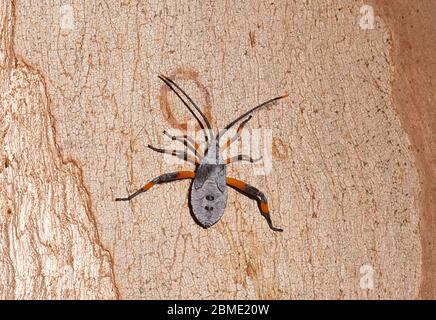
(177, 153)
(166, 177)
(237, 134)
(258, 195)
(242, 157)
(187, 142)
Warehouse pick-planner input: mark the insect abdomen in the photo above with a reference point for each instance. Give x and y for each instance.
(209, 195)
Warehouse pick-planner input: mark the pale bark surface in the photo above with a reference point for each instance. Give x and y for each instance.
(50, 247)
(75, 93)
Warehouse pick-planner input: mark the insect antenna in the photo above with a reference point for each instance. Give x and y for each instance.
(231, 124)
(170, 83)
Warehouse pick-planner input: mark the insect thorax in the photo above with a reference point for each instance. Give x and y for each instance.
(213, 154)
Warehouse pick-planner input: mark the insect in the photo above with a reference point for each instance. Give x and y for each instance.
(208, 196)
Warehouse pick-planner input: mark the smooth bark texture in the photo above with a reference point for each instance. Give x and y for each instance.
(349, 183)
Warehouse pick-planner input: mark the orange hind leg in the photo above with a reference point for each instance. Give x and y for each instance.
(254, 193)
(166, 177)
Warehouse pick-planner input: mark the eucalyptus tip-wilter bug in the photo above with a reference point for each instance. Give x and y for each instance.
(209, 187)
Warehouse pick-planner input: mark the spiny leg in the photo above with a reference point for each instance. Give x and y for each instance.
(237, 134)
(177, 153)
(166, 177)
(254, 193)
(242, 157)
(188, 142)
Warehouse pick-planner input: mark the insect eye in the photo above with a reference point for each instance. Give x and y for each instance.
(210, 197)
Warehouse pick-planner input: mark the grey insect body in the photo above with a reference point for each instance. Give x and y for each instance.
(209, 194)
(208, 197)
(209, 188)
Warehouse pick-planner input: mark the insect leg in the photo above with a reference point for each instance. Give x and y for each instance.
(177, 153)
(166, 177)
(188, 142)
(242, 157)
(237, 134)
(256, 194)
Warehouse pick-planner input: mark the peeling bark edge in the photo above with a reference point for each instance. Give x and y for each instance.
(10, 59)
(409, 30)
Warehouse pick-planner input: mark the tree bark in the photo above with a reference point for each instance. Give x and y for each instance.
(352, 149)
